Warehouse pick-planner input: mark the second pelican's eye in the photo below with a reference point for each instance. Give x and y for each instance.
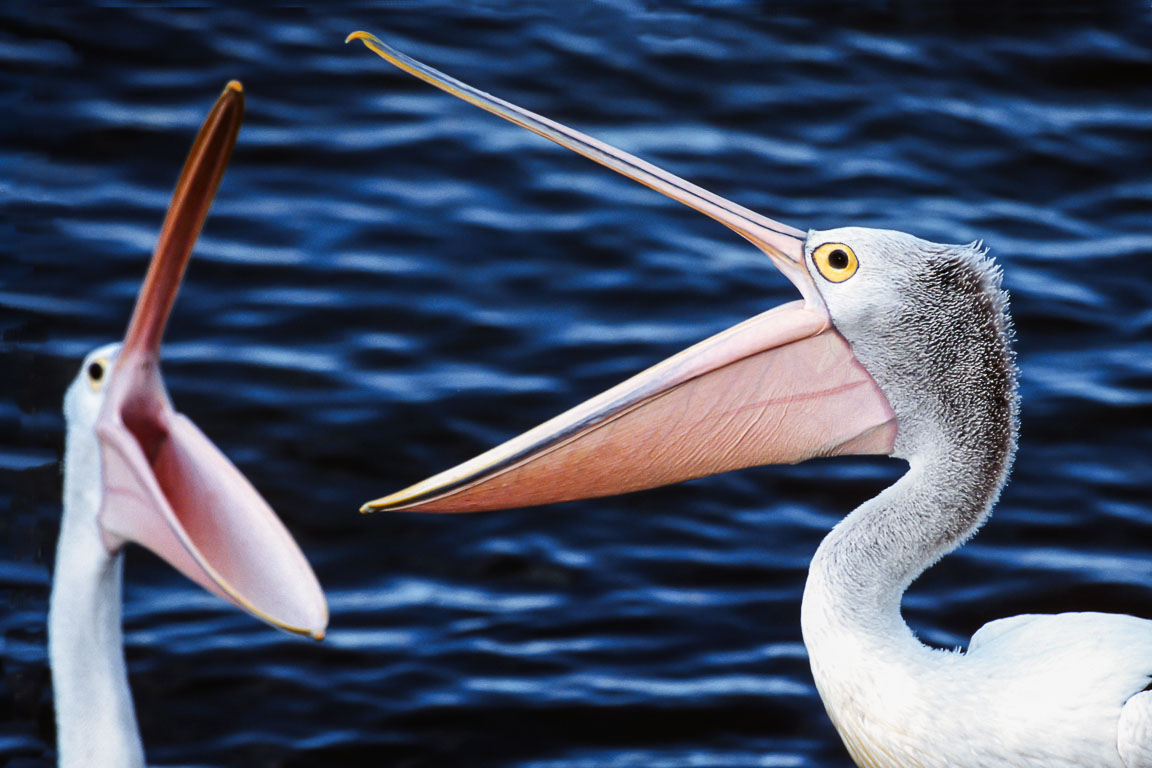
(97, 369)
(835, 261)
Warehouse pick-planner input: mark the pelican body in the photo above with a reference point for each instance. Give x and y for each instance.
(137, 471)
(899, 347)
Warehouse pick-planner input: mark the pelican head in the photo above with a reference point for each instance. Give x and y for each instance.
(930, 324)
(888, 344)
(141, 472)
(86, 394)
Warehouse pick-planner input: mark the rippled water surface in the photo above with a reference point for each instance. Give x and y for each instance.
(392, 281)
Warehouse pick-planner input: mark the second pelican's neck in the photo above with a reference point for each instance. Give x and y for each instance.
(95, 719)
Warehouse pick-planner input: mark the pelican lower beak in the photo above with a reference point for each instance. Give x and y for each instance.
(781, 387)
(166, 486)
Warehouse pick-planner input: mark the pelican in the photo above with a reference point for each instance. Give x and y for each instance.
(899, 347)
(137, 471)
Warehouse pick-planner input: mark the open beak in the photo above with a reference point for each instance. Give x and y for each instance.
(781, 387)
(166, 485)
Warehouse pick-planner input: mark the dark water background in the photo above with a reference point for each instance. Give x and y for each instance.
(392, 281)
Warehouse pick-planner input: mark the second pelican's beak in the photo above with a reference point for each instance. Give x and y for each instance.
(779, 388)
(166, 486)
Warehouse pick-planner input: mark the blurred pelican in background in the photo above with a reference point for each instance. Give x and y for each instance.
(137, 471)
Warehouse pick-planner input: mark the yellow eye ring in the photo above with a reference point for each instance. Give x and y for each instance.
(97, 373)
(835, 261)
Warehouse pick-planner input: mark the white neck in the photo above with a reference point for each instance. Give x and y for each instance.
(95, 720)
(863, 567)
(865, 660)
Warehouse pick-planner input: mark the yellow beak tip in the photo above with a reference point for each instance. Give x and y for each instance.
(358, 35)
(387, 502)
(234, 85)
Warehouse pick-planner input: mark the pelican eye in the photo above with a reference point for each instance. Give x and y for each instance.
(96, 372)
(836, 262)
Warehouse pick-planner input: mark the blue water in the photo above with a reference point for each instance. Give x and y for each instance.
(392, 281)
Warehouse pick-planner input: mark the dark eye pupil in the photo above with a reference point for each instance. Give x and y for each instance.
(95, 371)
(838, 259)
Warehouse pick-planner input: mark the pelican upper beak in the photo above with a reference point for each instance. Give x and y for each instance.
(166, 486)
(781, 387)
(782, 243)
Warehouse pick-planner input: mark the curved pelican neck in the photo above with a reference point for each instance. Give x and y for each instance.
(95, 719)
(863, 567)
